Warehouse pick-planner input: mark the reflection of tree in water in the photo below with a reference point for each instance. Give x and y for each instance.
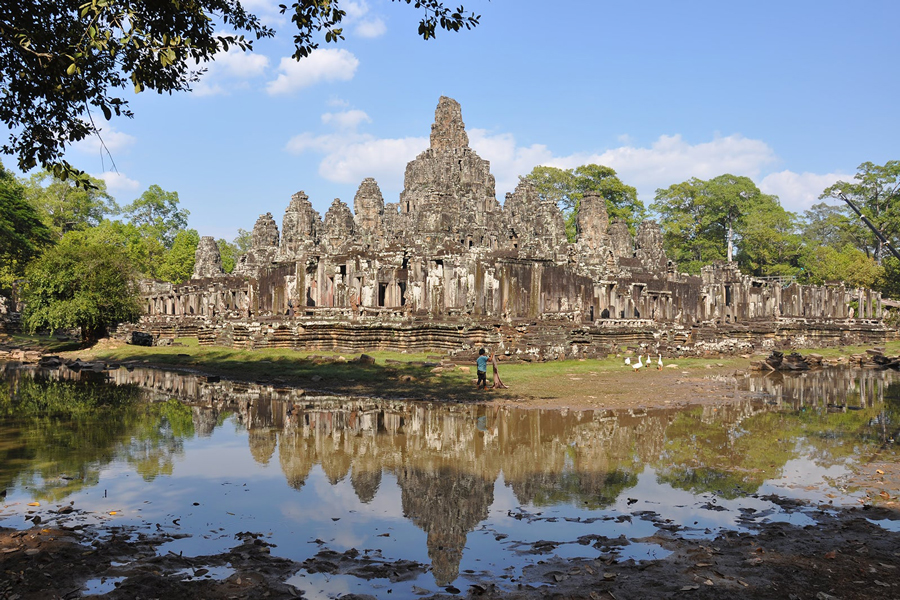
(447, 505)
(63, 432)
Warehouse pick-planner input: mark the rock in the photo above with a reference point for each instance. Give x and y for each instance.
(370, 360)
(141, 338)
(50, 362)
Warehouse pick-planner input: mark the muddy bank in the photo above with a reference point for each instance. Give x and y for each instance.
(844, 554)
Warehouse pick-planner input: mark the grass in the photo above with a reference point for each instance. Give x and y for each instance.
(403, 377)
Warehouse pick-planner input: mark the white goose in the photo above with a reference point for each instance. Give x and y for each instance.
(659, 363)
(637, 365)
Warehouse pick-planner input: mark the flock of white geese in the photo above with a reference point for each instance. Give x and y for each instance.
(640, 365)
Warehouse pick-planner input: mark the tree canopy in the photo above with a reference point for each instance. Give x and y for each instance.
(566, 188)
(65, 206)
(81, 282)
(702, 220)
(65, 64)
(23, 234)
(876, 192)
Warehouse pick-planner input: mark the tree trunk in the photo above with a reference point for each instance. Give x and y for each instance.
(498, 383)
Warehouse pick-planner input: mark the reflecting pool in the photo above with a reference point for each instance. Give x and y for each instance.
(470, 491)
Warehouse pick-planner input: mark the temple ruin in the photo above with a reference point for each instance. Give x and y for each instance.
(447, 267)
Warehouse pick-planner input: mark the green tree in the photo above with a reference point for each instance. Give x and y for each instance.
(80, 283)
(22, 233)
(63, 64)
(243, 241)
(769, 240)
(849, 265)
(178, 264)
(703, 221)
(566, 188)
(876, 192)
(65, 206)
(831, 225)
(156, 213)
(229, 254)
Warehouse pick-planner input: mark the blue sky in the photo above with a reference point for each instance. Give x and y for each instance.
(793, 94)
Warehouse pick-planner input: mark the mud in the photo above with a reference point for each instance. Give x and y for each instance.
(845, 554)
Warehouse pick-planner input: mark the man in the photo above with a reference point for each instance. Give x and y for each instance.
(481, 366)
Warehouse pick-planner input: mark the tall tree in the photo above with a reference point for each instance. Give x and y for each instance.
(22, 233)
(566, 188)
(157, 214)
(876, 192)
(703, 220)
(83, 283)
(65, 63)
(65, 206)
(831, 225)
(770, 244)
(178, 264)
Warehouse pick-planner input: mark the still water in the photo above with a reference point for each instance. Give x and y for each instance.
(472, 492)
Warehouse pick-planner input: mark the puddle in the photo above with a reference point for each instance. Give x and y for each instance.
(470, 493)
(101, 585)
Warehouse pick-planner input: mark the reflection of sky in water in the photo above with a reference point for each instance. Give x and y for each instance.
(234, 492)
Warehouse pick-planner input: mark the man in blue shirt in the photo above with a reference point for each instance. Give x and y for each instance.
(481, 366)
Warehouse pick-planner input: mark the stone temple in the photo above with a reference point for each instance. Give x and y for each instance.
(447, 267)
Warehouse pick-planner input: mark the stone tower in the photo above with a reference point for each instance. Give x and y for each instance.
(207, 259)
(449, 193)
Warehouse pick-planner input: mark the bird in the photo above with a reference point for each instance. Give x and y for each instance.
(638, 364)
(659, 363)
(627, 361)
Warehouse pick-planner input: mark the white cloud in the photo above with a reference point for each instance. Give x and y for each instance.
(349, 156)
(668, 160)
(229, 71)
(355, 10)
(114, 141)
(118, 183)
(349, 119)
(508, 160)
(371, 28)
(321, 65)
(799, 191)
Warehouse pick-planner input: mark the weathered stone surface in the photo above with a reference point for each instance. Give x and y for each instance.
(369, 207)
(299, 228)
(534, 228)
(448, 131)
(207, 260)
(263, 247)
(620, 239)
(339, 230)
(649, 247)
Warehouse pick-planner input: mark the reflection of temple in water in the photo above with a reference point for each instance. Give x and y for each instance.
(839, 388)
(447, 457)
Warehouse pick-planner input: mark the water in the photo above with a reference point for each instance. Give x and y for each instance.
(473, 493)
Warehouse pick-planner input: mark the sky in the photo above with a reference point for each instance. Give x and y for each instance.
(794, 94)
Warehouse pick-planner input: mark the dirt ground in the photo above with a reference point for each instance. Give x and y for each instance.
(846, 554)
